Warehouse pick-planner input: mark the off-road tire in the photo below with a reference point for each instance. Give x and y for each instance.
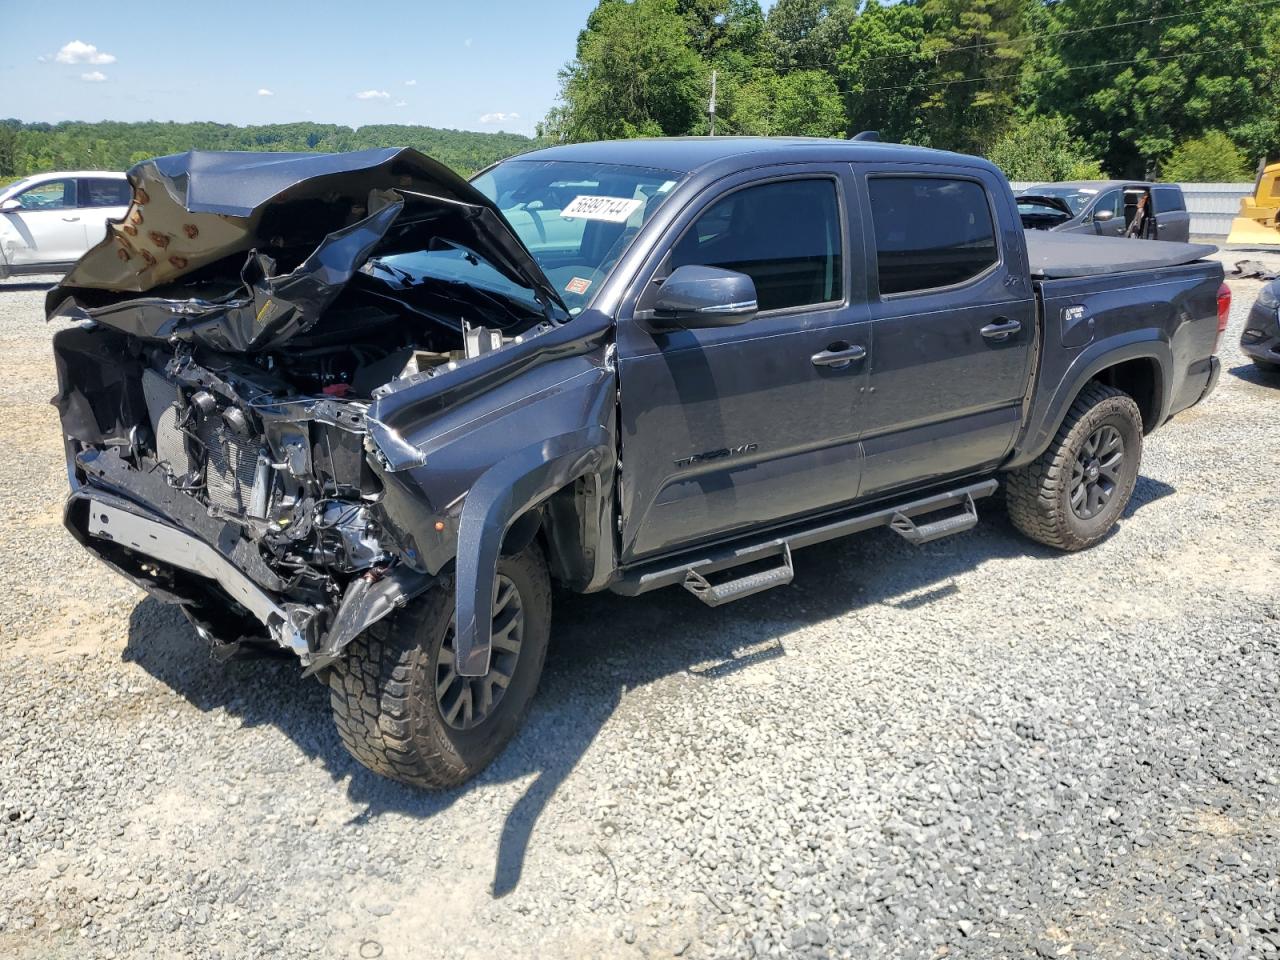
(383, 690)
(1038, 496)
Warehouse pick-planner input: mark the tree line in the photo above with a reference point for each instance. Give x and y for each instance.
(35, 147)
(1048, 89)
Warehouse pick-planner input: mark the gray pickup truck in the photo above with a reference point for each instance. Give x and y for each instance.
(358, 408)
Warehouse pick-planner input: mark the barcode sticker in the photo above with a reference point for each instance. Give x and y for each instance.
(609, 209)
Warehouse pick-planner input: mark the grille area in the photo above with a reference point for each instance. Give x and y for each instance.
(229, 466)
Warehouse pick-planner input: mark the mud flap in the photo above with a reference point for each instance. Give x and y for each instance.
(501, 495)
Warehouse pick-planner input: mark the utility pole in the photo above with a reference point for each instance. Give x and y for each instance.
(711, 107)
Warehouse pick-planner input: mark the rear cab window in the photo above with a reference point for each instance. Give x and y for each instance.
(785, 235)
(930, 232)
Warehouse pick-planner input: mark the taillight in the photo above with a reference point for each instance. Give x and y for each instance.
(1224, 313)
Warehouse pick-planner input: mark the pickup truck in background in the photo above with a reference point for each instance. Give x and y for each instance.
(1108, 208)
(358, 408)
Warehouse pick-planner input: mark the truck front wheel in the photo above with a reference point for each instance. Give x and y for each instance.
(1072, 494)
(402, 710)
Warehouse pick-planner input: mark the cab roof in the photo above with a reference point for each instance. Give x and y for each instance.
(687, 154)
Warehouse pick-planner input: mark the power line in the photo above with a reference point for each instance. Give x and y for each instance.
(1061, 33)
(1086, 66)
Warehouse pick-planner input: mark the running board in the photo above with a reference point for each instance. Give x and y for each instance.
(714, 595)
(695, 566)
(919, 533)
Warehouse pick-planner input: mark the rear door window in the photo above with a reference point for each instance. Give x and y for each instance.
(105, 192)
(784, 235)
(930, 232)
(1168, 199)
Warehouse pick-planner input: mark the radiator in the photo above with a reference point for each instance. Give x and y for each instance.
(229, 467)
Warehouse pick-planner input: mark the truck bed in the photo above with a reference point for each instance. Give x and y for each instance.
(1061, 256)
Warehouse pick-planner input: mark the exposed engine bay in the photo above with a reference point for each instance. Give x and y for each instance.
(214, 396)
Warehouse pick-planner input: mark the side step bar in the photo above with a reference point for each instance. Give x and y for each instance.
(915, 533)
(693, 569)
(713, 595)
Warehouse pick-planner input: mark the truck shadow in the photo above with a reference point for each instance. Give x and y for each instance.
(1252, 373)
(602, 647)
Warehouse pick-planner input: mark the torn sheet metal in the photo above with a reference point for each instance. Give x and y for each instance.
(264, 243)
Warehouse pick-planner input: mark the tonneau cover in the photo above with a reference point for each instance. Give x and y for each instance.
(1059, 256)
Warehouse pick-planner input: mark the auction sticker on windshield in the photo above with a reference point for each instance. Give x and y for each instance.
(610, 209)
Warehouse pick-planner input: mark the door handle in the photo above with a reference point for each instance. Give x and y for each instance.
(1002, 329)
(838, 355)
(70, 219)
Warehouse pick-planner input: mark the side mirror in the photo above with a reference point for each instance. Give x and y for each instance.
(10, 206)
(1102, 216)
(696, 297)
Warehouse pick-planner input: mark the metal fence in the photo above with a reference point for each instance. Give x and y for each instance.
(1212, 205)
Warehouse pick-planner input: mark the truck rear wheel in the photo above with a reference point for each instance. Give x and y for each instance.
(1072, 494)
(401, 709)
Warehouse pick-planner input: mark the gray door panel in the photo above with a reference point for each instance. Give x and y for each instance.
(944, 398)
(733, 428)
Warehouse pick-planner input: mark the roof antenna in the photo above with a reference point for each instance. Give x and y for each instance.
(866, 136)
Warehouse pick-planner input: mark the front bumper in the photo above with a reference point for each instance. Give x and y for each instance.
(1261, 337)
(178, 566)
(133, 529)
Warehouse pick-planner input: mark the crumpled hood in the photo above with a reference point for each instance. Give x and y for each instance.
(242, 251)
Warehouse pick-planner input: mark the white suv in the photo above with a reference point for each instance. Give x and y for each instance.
(49, 220)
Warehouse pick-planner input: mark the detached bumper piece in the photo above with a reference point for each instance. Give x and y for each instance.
(176, 548)
(176, 565)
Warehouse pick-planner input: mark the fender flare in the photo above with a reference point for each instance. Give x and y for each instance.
(1140, 345)
(502, 494)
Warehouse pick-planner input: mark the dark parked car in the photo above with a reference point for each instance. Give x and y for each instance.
(358, 408)
(1108, 208)
(1261, 337)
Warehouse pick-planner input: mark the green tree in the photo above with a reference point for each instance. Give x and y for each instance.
(1043, 149)
(1166, 75)
(636, 74)
(803, 103)
(978, 47)
(807, 34)
(884, 72)
(1213, 158)
(117, 146)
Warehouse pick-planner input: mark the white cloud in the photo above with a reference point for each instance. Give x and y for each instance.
(411, 83)
(498, 117)
(264, 92)
(42, 59)
(93, 76)
(373, 95)
(77, 51)
(402, 103)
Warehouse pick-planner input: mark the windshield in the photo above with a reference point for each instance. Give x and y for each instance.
(575, 218)
(1077, 198)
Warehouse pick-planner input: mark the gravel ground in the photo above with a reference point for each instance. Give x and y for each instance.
(975, 749)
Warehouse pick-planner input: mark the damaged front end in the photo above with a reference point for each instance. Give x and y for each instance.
(237, 333)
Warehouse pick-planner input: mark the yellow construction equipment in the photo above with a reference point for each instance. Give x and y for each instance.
(1257, 225)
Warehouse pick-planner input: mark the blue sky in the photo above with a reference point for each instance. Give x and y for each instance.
(476, 65)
